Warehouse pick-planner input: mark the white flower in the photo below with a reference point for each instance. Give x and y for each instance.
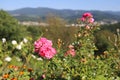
(39, 59)
(21, 43)
(8, 59)
(14, 42)
(33, 56)
(3, 40)
(25, 40)
(19, 47)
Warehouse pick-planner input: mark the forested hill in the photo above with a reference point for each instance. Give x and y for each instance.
(68, 14)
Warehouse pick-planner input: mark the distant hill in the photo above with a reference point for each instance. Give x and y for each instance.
(35, 14)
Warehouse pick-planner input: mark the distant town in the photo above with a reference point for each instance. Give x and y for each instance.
(35, 23)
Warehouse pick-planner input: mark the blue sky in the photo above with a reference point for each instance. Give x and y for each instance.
(103, 5)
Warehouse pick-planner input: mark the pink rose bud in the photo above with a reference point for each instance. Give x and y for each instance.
(91, 20)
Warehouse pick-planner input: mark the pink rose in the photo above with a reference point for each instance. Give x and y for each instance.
(87, 15)
(44, 48)
(91, 20)
(37, 45)
(71, 51)
(47, 52)
(43, 40)
(82, 19)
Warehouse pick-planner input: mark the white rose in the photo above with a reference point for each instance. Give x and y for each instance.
(19, 47)
(33, 56)
(25, 40)
(14, 42)
(3, 40)
(39, 59)
(8, 59)
(21, 43)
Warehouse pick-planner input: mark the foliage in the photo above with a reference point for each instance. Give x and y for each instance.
(34, 32)
(102, 41)
(9, 27)
(112, 27)
(106, 36)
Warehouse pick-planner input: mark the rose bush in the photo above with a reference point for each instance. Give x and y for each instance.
(79, 61)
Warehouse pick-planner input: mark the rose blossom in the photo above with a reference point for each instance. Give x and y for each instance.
(87, 15)
(14, 42)
(19, 47)
(82, 19)
(71, 51)
(25, 40)
(3, 40)
(44, 48)
(47, 52)
(91, 20)
(8, 59)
